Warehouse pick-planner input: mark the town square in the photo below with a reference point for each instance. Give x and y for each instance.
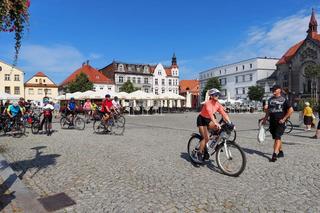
(149, 106)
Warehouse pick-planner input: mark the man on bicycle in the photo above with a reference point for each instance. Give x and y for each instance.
(14, 110)
(71, 110)
(116, 105)
(278, 109)
(106, 108)
(47, 110)
(206, 119)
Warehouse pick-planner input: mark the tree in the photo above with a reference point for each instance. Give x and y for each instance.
(255, 93)
(128, 87)
(212, 83)
(80, 84)
(313, 72)
(14, 17)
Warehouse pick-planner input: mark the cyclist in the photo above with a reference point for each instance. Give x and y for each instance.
(116, 105)
(14, 111)
(279, 110)
(47, 113)
(87, 109)
(106, 108)
(206, 119)
(71, 110)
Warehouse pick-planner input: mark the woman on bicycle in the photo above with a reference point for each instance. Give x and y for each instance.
(87, 109)
(206, 119)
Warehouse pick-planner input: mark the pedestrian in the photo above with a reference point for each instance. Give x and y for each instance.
(278, 110)
(56, 109)
(307, 116)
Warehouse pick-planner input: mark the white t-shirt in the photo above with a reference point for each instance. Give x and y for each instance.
(116, 104)
(48, 106)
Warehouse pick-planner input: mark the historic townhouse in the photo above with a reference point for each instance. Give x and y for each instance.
(237, 77)
(151, 79)
(39, 86)
(11, 80)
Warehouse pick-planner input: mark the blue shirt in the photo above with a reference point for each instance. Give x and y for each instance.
(14, 110)
(72, 106)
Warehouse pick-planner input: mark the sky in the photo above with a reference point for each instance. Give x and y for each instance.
(203, 34)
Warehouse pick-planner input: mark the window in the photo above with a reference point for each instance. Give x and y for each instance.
(7, 77)
(129, 68)
(109, 88)
(163, 82)
(220, 72)
(44, 81)
(250, 66)
(39, 91)
(243, 78)
(7, 90)
(243, 90)
(236, 79)
(40, 81)
(16, 77)
(0, 68)
(101, 88)
(17, 90)
(121, 68)
(120, 79)
(146, 90)
(49, 91)
(128, 78)
(146, 80)
(236, 68)
(156, 92)
(211, 74)
(225, 71)
(170, 82)
(156, 81)
(31, 92)
(159, 72)
(250, 77)
(139, 80)
(36, 80)
(133, 79)
(163, 90)
(237, 91)
(242, 67)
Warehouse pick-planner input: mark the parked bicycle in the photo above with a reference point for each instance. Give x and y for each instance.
(230, 157)
(66, 122)
(115, 125)
(13, 126)
(36, 126)
(288, 126)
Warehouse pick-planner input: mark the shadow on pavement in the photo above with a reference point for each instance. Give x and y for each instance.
(6, 196)
(186, 156)
(38, 162)
(252, 151)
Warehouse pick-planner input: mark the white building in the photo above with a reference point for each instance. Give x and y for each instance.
(11, 80)
(237, 77)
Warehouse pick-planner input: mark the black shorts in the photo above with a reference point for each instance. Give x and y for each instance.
(307, 120)
(276, 129)
(202, 121)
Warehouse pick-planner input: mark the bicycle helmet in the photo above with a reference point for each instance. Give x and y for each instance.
(107, 96)
(214, 92)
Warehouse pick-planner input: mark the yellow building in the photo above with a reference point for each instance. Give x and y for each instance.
(40, 86)
(11, 80)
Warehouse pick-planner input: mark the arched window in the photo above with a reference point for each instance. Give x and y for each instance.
(121, 68)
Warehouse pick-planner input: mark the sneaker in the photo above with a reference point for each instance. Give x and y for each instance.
(280, 154)
(206, 155)
(274, 157)
(200, 157)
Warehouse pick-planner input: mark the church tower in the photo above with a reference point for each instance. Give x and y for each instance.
(174, 61)
(313, 25)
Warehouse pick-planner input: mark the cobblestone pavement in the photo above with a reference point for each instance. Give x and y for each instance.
(148, 170)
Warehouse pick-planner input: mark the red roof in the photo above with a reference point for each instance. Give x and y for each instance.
(40, 74)
(189, 85)
(168, 71)
(290, 53)
(93, 74)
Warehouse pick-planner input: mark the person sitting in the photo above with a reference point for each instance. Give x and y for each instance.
(116, 105)
(106, 108)
(14, 111)
(71, 110)
(47, 110)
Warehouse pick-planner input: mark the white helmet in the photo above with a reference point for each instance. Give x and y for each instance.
(214, 92)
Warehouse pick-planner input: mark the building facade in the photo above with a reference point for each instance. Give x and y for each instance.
(11, 80)
(236, 78)
(39, 86)
(293, 64)
(99, 81)
(190, 89)
(148, 78)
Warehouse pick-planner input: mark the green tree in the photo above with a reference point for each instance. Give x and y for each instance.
(128, 87)
(313, 72)
(14, 17)
(255, 93)
(80, 84)
(212, 83)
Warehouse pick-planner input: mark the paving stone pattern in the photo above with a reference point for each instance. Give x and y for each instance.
(148, 170)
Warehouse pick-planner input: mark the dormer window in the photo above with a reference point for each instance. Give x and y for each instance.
(159, 72)
(121, 68)
(145, 69)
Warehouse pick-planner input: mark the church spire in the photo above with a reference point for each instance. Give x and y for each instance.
(174, 60)
(313, 25)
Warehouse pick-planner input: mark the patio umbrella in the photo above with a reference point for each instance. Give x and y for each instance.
(6, 96)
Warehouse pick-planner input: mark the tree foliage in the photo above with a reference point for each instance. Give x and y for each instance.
(14, 17)
(128, 87)
(313, 72)
(80, 84)
(212, 83)
(255, 93)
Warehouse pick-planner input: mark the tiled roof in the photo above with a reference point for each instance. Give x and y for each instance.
(189, 85)
(40, 74)
(93, 74)
(290, 53)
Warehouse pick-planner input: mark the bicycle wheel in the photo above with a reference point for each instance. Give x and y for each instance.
(266, 126)
(116, 127)
(35, 127)
(193, 148)
(121, 120)
(231, 159)
(46, 126)
(18, 130)
(289, 126)
(64, 123)
(79, 123)
(98, 127)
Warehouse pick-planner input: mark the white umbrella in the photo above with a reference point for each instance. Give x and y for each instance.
(86, 94)
(138, 95)
(122, 95)
(179, 103)
(6, 96)
(188, 100)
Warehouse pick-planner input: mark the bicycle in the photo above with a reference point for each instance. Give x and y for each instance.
(288, 126)
(113, 125)
(230, 157)
(66, 123)
(13, 125)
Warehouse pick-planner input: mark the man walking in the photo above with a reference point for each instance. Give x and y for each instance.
(278, 109)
